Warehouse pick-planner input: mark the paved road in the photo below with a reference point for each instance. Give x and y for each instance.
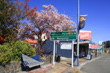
(101, 65)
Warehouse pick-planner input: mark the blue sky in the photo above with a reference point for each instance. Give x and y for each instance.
(98, 11)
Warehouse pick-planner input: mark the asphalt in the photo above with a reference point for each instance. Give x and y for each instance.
(97, 65)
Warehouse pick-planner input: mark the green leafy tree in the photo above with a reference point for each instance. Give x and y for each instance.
(6, 19)
(12, 15)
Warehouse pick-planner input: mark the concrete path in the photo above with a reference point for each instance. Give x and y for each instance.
(100, 65)
(53, 69)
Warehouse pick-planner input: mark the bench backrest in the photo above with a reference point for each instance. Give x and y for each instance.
(37, 57)
(28, 60)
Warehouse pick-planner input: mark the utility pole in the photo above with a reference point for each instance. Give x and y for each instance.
(78, 31)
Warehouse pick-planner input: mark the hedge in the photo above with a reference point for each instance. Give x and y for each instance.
(12, 51)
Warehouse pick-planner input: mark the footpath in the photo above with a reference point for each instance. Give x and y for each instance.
(64, 66)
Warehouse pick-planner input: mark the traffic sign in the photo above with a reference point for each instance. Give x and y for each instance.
(67, 35)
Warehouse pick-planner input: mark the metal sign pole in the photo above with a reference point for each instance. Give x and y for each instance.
(54, 53)
(72, 52)
(78, 32)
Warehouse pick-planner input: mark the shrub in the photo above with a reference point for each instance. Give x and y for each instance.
(12, 51)
(5, 54)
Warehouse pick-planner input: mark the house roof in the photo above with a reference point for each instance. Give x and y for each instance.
(31, 41)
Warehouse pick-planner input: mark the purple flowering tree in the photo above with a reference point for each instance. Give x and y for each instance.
(45, 21)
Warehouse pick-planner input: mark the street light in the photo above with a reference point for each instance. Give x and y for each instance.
(78, 31)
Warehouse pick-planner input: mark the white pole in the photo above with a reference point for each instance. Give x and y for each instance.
(72, 52)
(97, 52)
(54, 53)
(56, 49)
(78, 31)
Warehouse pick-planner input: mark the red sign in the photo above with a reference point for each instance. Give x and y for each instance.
(85, 35)
(94, 46)
(69, 33)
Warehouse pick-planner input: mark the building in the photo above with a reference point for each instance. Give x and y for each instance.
(32, 42)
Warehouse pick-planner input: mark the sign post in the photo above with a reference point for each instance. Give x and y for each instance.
(67, 35)
(54, 53)
(72, 52)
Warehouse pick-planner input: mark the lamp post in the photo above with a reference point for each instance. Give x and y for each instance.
(78, 31)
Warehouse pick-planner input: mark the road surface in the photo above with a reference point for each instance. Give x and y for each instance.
(101, 65)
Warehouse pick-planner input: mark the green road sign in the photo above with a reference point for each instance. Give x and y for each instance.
(67, 35)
